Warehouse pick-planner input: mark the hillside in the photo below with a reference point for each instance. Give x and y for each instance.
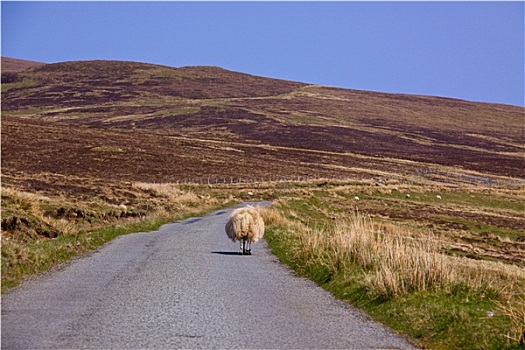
(12, 65)
(142, 122)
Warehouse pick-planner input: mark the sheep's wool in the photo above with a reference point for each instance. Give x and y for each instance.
(245, 223)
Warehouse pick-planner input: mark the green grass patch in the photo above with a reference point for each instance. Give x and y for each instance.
(485, 200)
(443, 320)
(479, 228)
(27, 111)
(457, 197)
(183, 111)
(24, 84)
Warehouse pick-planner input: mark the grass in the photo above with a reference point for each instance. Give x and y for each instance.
(401, 276)
(183, 111)
(24, 112)
(24, 84)
(480, 228)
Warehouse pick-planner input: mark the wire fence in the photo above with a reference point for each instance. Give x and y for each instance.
(241, 180)
(420, 175)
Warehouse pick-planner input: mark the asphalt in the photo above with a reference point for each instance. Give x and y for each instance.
(184, 286)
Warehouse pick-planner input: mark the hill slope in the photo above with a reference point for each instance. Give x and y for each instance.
(11, 65)
(142, 122)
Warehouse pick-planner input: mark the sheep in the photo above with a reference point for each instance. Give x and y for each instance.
(245, 225)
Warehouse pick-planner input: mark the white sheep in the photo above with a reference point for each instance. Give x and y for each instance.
(245, 225)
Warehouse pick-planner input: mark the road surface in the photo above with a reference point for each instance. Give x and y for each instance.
(183, 286)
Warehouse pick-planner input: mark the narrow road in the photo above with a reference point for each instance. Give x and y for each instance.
(183, 286)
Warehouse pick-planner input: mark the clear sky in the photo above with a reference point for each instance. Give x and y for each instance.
(466, 50)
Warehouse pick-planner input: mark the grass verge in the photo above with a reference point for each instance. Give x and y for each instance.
(402, 278)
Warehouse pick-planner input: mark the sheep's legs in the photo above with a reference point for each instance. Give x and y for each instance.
(248, 247)
(245, 246)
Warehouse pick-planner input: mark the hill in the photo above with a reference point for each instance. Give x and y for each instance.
(142, 122)
(10, 65)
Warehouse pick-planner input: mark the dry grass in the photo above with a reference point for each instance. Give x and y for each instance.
(397, 261)
(398, 264)
(172, 192)
(274, 217)
(64, 226)
(516, 315)
(31, 216)
(23, 200)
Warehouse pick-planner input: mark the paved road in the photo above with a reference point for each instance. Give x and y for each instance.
(183, 286)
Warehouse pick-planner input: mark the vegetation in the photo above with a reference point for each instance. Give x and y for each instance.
(409, 207)
(200, 123)
(400, 274)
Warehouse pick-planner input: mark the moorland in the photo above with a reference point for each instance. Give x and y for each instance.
(94, 149)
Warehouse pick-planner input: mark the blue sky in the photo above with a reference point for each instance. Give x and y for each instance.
(466, 50)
